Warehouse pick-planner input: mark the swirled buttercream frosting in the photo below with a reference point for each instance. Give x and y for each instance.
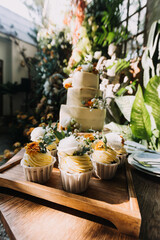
(108, 156)
(33, 157)
(37, 160)
(76, 164)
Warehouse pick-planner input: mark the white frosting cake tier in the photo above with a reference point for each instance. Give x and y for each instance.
(88, 119)
(85, 80)
(75, 96)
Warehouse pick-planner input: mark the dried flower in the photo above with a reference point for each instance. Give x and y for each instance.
(89, 136)
(29, 131)
(17, 144)
(32, 148)
(49, 116)
(68, 85)
(23, 116)
(100, 145)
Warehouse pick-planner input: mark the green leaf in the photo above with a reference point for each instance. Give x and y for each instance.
(124, 130)
(121, 91)
(140, 118)
(110, 37)
(125, 105)
(152, 98)
(59, 135)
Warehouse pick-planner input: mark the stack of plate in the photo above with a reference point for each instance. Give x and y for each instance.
(146, 162)
(143, 159)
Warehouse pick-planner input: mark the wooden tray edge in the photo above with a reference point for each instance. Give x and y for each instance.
(127, 222)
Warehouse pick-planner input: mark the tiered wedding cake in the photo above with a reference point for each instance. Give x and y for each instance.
(85, 86)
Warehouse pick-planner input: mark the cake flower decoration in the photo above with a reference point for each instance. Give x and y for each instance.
(67, 83)
(95, 103)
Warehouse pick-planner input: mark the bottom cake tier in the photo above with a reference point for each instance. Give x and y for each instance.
(87, 118)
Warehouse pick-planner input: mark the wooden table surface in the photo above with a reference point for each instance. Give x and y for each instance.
(26, 217)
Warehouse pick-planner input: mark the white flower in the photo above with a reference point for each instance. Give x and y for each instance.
(117, 85)
(90, 20)
(114, 140)
(53, 43)
(69, 145)
(97, 54)
(109, 91)
(41, 34)
(65, 121)
(87, 67)
(100, 63)
(67, 81)
(88, 58)
(37, 134)
(104, 84)
(76, 54)
(111, 49)
(130, 89)
(82, 32)
(111, 72)
(125, 79)
(49, 46)
(47, 87)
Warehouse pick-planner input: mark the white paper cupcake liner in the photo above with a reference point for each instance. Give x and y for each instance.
(59, 159)
(105, 171)
(54, 153)
(76, 182)
(38, 174)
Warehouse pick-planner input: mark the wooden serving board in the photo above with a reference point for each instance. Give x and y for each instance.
(114, 200)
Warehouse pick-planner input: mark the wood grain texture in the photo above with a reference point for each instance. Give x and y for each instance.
(13, 161)
(38, 219)
(106, 199)
(148, 194)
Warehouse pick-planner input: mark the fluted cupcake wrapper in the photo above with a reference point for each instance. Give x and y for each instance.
(54, 153)
(75, 182)
(105, 171)
(38, 174)
(59, 158)
(122, 158)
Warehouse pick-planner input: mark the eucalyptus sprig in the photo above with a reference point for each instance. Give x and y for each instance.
(82, 151)
(42, 147)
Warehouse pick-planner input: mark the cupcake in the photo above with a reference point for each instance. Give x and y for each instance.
(116, 142)
(47, 137)
(52, 147)
(105, 161)
(37, 163)
(74, 164)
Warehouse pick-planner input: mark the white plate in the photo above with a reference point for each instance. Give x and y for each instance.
(147, 157)
(154, 171)
(132, 146)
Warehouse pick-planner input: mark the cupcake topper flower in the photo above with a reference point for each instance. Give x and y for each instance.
(114, 140)
(100, 145)
(69, 145)
(32, 148)
(72, 146)
(37, 134)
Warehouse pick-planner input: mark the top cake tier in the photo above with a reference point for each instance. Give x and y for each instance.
(85, 80)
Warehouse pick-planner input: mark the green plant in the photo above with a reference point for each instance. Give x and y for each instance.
(150, 58)
(145, 114)
(102, 21)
